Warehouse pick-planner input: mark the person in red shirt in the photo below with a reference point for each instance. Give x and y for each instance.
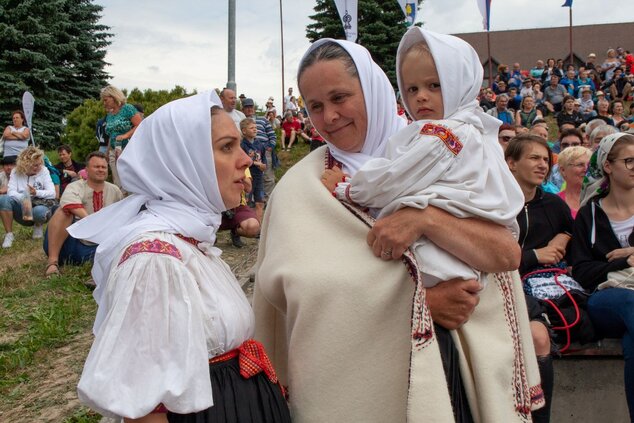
(291, 128)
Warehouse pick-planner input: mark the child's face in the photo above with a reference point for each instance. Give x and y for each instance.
(423, 93)
(250, 131)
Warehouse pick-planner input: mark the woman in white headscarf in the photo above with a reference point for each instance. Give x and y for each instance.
(602, 246)
(448, 158)
(173, 327)
(341, 325)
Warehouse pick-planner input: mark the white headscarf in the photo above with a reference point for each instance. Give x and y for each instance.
(460, 73)
(596, 182)
(380, 107)
(168, 167)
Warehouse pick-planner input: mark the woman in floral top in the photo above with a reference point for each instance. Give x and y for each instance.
(121, 122)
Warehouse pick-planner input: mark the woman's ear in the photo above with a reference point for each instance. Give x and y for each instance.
(511, 164)
(607, 167)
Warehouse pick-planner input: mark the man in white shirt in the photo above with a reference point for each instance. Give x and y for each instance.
(229, 100)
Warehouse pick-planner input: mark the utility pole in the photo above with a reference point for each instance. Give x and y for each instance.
(231, 73)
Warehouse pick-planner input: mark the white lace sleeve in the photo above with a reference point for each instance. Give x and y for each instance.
(151, 347)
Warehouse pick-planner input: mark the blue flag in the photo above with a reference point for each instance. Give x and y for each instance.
(568, 3)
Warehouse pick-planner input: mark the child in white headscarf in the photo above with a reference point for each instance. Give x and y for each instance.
(449, 158)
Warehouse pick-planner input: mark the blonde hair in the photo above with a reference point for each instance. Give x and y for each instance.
(27, 158)
(114, 92)
(419, 48)
(572, 154)
(246, 122)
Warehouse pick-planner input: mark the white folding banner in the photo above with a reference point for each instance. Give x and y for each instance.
(485, 10)
(28, 104)
(348, 13)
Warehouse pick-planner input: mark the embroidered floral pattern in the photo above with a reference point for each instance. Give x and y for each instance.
(97, 200)
(445, 135)
(151, 246)
(523, 395)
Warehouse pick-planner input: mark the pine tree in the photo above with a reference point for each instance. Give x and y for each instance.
(55, 49)
(381, 24)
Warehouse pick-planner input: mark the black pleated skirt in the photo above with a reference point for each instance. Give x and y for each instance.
(239, 400)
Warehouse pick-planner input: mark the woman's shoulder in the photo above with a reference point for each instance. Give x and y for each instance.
(157, 244)
(128, 110)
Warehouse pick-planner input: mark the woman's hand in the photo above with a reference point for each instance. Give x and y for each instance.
(331, 177)
(32, 190)
(551, 254)
(452, 302)
(395, 233)
(481, 244)
(630, 260)
(620, 253)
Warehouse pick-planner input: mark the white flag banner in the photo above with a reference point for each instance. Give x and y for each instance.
(28, 104)
(485, 10)
(348, 13)
(409, 10)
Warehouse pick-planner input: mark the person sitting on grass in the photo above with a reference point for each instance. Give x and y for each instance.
(30, 199)
(80, 199)
(290, 130)
(67, 167)
(8, 163)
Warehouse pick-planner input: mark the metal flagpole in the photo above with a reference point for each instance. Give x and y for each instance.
(490, 64)
(231, 72)
(282, 44)
(570, 14)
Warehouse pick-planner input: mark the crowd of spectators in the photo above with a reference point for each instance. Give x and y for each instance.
(589, 105)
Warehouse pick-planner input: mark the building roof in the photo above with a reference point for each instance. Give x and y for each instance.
(526, 46)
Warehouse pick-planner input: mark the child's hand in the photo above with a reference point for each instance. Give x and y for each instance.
(331, 177)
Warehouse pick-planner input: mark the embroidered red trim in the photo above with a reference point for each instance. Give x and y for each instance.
(151, 246)
(445, 135)
(73, 206)
(97, 200)
(192, 241)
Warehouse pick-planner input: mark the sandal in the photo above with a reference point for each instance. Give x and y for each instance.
(52, 272)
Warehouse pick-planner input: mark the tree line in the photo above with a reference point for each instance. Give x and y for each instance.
(56, 50)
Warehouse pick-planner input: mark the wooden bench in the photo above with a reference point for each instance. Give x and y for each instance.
(589, 384)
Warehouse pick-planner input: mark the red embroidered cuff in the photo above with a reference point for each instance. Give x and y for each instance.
(68, 207)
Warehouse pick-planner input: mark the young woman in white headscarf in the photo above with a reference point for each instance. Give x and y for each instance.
(173, 327)
(355, 337)
(602, 246)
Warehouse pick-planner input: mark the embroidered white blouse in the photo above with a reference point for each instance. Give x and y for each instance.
(170, 309)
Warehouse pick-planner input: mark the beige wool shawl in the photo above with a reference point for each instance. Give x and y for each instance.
(337, 322)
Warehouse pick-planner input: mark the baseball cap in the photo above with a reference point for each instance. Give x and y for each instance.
(592, 55)
(248, 102)
(600, 93)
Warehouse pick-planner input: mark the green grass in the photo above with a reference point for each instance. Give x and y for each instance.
(37, 317)
(84, 415)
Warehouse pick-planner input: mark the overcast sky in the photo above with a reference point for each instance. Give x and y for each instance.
(158, 44)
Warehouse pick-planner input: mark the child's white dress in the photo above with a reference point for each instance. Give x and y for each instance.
(445, 164)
